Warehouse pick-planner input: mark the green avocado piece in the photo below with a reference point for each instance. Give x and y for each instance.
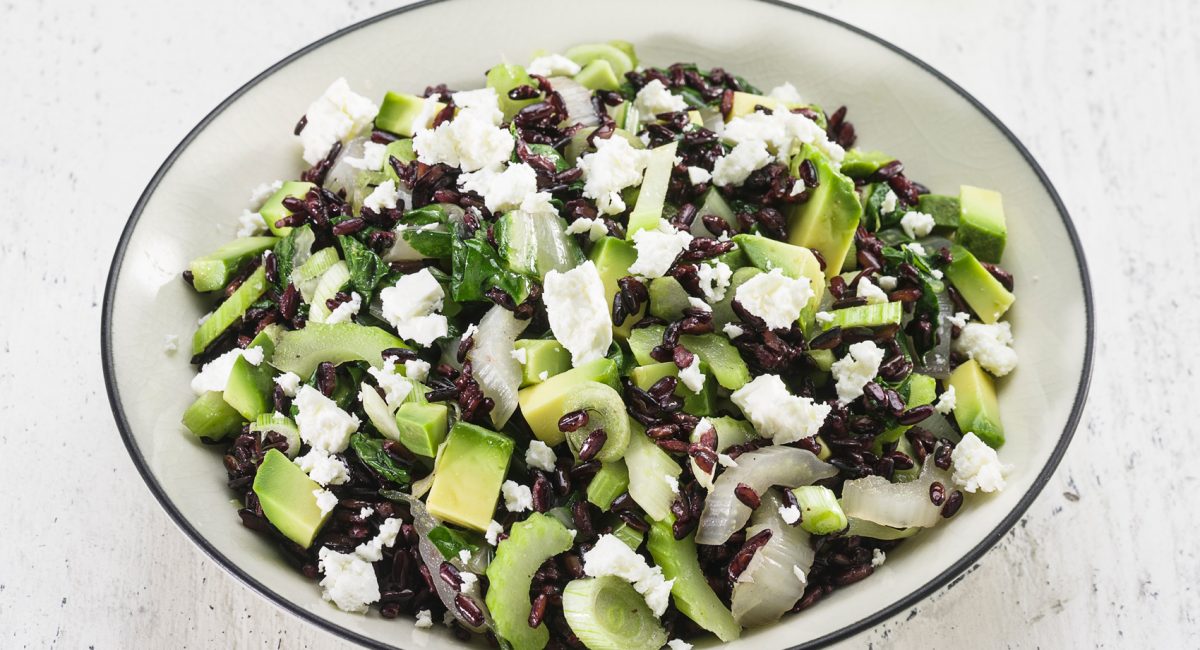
(668, 298)
(944, 209)
(642, 341)
(422, 427)
(981, 226)
(233, 308)
(984, 293)
(506, 77)
(723, 309)
(794, 261)
(612, 258)
(529, 544)
(250, 388)
(542, 404)
(702, 403)
(691, 593)
(542, 355)
(976, 409)
(287, 498)
(627, 48)
(469, 474)
(609, 483)
(615, 56)
(213, 271)
(745, 103)
(301, 351)
(598, 75)
(652, 193)
(399, 112)
(272, 209)
(211, 417)
(861, 164)
(827, 221)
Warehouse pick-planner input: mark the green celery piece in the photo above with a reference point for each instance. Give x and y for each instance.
(510, 573)
(722, 358)
(860, 164)
(628, 534)
(648, 466)
(874, 315)
(233, 308)
(211, 417)
(648, 210)
(609, 483)
(301, 351)
(606, 613)
(921, 390)
(693, 596)
(505, 77)
(213, 271)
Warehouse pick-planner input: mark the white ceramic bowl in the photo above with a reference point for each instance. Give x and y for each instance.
(897, 103)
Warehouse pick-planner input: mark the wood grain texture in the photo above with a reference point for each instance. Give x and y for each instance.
(95, 94)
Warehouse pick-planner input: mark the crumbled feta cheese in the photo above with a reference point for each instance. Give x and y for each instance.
(544, 375)
(612, 557)
(577, 309)
(171, 343)
(853, 371)
(470, 331)
(553, 65)
(372, 550)
(614, 166)
(947, 401)
(424, 620)
(336, 115)
(775, 298)
(800, 574)
(540, 455)
(345, 311)
(384, 196)
(679, 644)
(790, 514)
(786, 93)
(349, 581)
(657, 249)
(778, 414)
(483, 102)
(595, 229)
(887, 282)
(416, 369)
(976, 466)
(782, 132)
(471, 140)
(517, 497)
(698, 304)
(878, 557)
(654, 98)
(726, 460)
(916, 248)
(326, 500)
(520, 355)
(464, 556)
(411, 306)
(323, 468)
(824, 317)
(888, 205)
(372, 157)
(872, 293)
(698, 175)
(262, 192)
(501, 191)
(468, 583)
(395, 386)
(916, 224)
(251, 224)
(733, 331)
(289, 382)
(214, 375)
(738, 164)
(989, 345)
(493, 532)
(714, 280)
(366, 511)
(960, 319)
(321, 423)
(937, 274)
(691, 375)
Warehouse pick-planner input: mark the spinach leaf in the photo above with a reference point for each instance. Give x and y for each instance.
(477, 267)
(428, 231)
(370, 452)
(450, 542)
(546, 151)
(366, 268)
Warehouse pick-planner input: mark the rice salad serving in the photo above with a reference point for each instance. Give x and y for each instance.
(600, 354)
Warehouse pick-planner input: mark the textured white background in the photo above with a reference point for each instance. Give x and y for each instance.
(93, 95)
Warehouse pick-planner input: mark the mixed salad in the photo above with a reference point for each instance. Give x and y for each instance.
(600, 355)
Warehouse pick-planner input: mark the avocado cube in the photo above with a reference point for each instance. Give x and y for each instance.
(250, 389)
(400, 111)
(944, 209)
(702, 403)
(861, 164)
(745, 103)
(977, 410)
(213, 271)
(612, 258)
(827, 221)
(542, 404)
(598, 75)
(288, 498)
(668, 298)
(795, 262)
(542, 356)
(422, 427)
(272, 210)
(211, 417)
(984, 293)
(981, 226)
(469, 474)
(505, 77)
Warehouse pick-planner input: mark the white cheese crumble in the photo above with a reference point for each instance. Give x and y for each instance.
(553, 65)
(872, 293)
(544, 375)
(289, 382)
(321, 423)
(691, 375)
(778, 414)
(372, 550)
(878, 557)
(366, 511)
(464, 556)
(262, 192)
(483, 102)
(916, 224)
(214, 375)
(471, 140)
(345, 311)
(578, 312)
(714, 280)
(672, 483)
(336, 115)
(469, 583)
(698, 304)
(937, 274)
(493, 532)
(853, 371)
(517, 497)
(989, 345)
(520, 355)
(323, 468)
(733, 331)
(349, 582)
(738, 164)
(612, 557)
(726, 460)
(887, 282)
(395, 386)
(540, 455)
(786, 93)
(326, 500)
(824, 317)
(800, 575)
(657, 249)
(411, 305)
(171, 343)
(614, 166)
(698, 175)
(470, 331)
(593, 228)
(775, 298)
(888, 205)
(679, 644)
(783, 132)
(424, 620)
(916, 248)
(251, 224)
(372, 157)
(790, 514)
(976, 466)
(384, 196)
(947, 401)
(416, 369)
(501, 191)
(960, 319)
(654, 98)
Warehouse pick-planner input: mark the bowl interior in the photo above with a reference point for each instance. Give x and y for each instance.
(897, 105)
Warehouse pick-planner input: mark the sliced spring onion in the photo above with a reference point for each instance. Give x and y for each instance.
(529, 544)
(769, 586)
(820, 513)
(899, 505)
(281, 425)
(498, 373)
(307, 275)
(331, 282)
(649, 468)
(606, 613)
(578, 101)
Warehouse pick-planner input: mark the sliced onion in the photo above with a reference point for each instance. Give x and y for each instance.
(495, 369)
(864, 528)
(769, 587)
(379, 413)
(713, 120)
(940, 426)
(899, 505)
(577, 99)
(341, 175)
(724, 514)
(305, 238)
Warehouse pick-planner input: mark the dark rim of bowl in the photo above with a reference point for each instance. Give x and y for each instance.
(862, 624)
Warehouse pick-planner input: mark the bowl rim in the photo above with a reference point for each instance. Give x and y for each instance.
(863, 623)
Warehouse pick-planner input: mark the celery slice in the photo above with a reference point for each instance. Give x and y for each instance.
(820, 512)
(528, 545)
(301, 351)
(649, 207)
(609, 483)
(232, 309)
(693, 596)
(308, 275)
(876, 315)
(608, 614)
(213, 271)
(281, 425)
(211, 417)
(332, 281)
(649, 468)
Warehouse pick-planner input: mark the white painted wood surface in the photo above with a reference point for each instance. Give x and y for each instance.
(93, 95)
